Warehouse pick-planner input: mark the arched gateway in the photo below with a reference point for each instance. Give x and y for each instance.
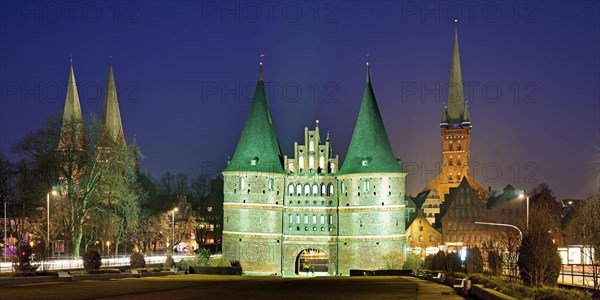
(311, 262)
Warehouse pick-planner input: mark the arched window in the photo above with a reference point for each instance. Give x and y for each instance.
(311, 162)
(431, 238)
(311, 146)
(315, 190)
(330, 219)
(332, 166)
(343, 187)
(420, 238)
(323, 189)
(321, 162)
(301, 163)
(410, 238)
(298, 218)
(291, 167)
(314, 219)
(242, 183)
(299, 189)
(458, 147)
(291, 189)
(270, 185)
(306, 190)
(330, 187)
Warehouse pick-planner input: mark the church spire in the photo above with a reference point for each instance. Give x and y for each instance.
(111, 120)
(370, 150)
(72, 117)
(258, 148)
(456, 111)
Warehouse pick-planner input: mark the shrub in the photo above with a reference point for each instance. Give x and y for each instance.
(22, 262)
(412, 262)
(136, 260)
(453, 262)
(92, 260)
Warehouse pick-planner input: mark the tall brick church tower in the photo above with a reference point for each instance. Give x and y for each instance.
(455, 133)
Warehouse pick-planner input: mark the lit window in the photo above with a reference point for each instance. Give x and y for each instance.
(270, 184)
(242, 183)
(314, 219)
(291, 219)
(330, 219)
(322, 219)
(311, 146)
(306, 189)
(420, 238)
(311, 162)
(291, 189)
(299, 189)
(321, 162)
(330, 189)
(315, 190)
(305, 219)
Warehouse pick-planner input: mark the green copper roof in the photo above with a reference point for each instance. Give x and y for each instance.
(258, 148)
(456, 110)
(370, 150)
(111, 119)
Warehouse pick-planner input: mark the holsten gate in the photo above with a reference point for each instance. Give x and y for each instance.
(304, 214)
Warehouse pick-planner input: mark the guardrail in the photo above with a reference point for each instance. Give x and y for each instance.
(77, 263)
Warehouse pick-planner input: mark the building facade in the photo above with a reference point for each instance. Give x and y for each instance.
(304, 214)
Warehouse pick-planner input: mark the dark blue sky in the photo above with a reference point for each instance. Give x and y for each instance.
(186, 72)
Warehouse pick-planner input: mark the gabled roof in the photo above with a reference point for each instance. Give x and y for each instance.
(370, 150)
(111, 120)
(420, 198)
(508, 193)
(258, 148)
(456, 111)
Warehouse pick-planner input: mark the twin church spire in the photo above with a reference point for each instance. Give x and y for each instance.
(72, 129)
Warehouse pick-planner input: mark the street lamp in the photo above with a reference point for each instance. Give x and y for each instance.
(503, 225)
(173, 228)
(521, 196)
(53, 192)
(108, 247)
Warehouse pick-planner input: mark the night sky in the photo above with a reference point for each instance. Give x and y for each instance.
(186, 73)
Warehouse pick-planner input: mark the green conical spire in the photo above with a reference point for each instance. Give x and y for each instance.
(370, 150)
(456, 110)
(258, 148)
(111, 119)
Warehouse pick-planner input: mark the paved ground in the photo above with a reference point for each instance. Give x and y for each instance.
(236, 287)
